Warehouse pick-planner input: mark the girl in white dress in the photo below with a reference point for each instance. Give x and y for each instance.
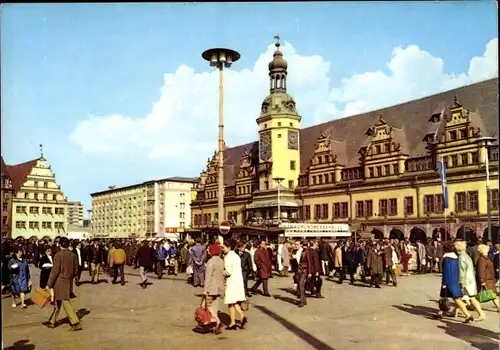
(235, 290)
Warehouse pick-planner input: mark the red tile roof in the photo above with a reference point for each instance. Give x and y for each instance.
(19, 173)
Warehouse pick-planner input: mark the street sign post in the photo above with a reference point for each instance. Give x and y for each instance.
(224, 228)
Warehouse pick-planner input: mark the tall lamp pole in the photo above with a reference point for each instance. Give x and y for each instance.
(486, 142)
(220, 58)
(279, 180)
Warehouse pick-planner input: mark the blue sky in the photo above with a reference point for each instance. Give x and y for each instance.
(63, 63)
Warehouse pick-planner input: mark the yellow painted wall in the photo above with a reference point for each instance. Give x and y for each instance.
(400, 194)
(281, 155)
(39, 175)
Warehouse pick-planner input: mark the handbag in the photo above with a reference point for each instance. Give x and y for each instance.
(41, 297)
(444, 303)
(485, 295)
(245, 305)
(201, 314)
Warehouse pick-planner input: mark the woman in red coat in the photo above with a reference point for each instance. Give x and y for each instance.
(261, 259)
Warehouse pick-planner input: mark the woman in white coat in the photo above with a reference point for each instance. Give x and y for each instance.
(467, 278)
(234, 294)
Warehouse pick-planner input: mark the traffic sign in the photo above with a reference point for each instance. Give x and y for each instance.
(224, 228)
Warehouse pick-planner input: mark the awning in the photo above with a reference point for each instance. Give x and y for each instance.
(271, 203)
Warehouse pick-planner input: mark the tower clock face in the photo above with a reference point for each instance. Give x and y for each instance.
(293, 139)
(265, 146)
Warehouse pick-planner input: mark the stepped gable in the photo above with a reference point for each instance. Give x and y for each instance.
(232, 157)
(411, 118)
(19, 173)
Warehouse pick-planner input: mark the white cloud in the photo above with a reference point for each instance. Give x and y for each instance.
(184, 120)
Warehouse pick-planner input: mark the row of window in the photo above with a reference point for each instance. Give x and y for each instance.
(36, 196)
(44, 185)
(466, 158)
(205, 219)
(464, 202)
(35, 225)
(129, 228)
(36, 210)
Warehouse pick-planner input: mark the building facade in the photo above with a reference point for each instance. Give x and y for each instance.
(6, 195)
(376, 171)
(158, 208)
(38, 204)
(75, 213)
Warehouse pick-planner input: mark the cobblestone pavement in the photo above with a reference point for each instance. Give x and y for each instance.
(161, 317)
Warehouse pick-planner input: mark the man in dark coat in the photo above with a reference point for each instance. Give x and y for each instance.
(314, 282)
(145, 257)
(305, 271)
(246, 265)
(325, 255)
(60, 282)
(347, 263)
(263, 262)
(95, 256)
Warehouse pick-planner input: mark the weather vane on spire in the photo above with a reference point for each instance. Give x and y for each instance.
(41, 151)
(277, 38)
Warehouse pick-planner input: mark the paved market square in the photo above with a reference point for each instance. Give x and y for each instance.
(161, 317)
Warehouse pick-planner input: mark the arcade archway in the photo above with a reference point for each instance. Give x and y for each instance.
(466, 234)
(396, 234)
(495, 234)
(441, 234)
(377, 234)
(417, 234)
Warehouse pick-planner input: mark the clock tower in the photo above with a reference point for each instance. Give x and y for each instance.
(279, 125)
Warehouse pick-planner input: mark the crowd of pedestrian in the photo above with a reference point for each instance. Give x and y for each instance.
(224, 270)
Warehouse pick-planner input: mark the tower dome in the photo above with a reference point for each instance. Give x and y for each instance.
(278, 63)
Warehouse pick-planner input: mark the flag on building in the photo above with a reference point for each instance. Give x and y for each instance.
(442, 177)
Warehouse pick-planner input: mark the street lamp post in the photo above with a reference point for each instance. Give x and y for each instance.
(220, 58)
(486, 142)
(279, 180)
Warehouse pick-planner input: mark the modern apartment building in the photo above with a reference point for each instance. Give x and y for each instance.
(157, 208)
(75, 213)
(38, 203)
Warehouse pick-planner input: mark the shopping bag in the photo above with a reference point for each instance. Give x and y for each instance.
(189, 270)
(41, 297)
(485, 295)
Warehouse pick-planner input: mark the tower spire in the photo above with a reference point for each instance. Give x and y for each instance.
(277, 69)
(41, 151)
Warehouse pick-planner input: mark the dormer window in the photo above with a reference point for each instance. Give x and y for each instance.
(378, 149)
(435, 118)
(463, 134)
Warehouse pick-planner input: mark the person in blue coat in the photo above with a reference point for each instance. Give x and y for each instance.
(20, 279)
(450, 285)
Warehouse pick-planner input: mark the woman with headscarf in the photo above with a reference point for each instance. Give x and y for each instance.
(486, 272)
(450, 285)
(235, 289)
(214, 283)
(20, 279)
(467, 278)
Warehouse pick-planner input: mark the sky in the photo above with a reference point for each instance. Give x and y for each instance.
(119, 94)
